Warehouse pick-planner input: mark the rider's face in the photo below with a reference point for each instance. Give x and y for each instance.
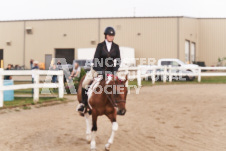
(110, 37)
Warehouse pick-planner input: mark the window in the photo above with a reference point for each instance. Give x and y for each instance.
(175, 64)
(187, 50)
(192, 54)
(165, 63)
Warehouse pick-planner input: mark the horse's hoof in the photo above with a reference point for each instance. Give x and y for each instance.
(107, 147)
(93, 149)
(93, 146)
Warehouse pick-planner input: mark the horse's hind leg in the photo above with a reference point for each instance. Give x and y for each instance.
(88, 127)
(112, 117)
(94, 129)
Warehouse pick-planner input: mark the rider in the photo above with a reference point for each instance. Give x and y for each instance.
(106, 52)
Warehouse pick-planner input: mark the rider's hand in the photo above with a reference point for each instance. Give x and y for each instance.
(109, 78)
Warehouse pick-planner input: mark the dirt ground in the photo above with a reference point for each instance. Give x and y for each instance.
(161, 118)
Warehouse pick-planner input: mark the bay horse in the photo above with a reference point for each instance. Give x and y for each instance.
(105, 97)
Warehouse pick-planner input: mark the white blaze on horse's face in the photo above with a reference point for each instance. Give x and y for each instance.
(119, 91)
(109, 79)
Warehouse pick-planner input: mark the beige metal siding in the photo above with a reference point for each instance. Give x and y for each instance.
(13, 32)
(157, 39)
(150, 37)
(189, 30)
(212, 40)
(49, 35)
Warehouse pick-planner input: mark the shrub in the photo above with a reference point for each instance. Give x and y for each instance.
(76, 81)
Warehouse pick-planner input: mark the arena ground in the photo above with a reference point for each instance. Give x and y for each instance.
(161, 118)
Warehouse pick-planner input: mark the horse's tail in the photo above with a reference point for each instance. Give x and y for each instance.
(79, 94)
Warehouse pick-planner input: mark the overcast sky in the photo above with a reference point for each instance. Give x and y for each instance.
(48, 9)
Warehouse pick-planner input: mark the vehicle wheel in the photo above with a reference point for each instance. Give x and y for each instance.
(190, 78)
(157, 78)
(149, 78)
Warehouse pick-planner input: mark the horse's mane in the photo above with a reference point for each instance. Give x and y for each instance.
(115, 82)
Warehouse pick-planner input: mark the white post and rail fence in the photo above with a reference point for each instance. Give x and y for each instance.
(36, 85)
(163, 71)
(170, 72)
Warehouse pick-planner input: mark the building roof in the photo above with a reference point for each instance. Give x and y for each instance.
(121, 17)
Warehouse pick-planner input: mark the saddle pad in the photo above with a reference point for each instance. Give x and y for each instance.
(93, 86)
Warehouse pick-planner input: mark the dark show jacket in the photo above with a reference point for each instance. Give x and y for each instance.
(102, 54)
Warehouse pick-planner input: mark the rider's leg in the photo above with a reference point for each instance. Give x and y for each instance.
(83, 103)
(85, 84)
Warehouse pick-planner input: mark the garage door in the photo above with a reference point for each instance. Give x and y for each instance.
(68, 54)
(1, 58)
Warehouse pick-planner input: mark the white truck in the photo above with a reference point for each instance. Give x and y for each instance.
(187, 68)
(177, 63)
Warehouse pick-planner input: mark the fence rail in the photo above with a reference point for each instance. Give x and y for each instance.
(36, 85)
(169, 71)
(164, 71)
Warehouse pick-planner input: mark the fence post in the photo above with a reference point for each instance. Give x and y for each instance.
(1, 86)
(139, 76)
(164, 74)
(61, 84)
(36, 88)
(170, 73)
(153, 75)
(199, 75)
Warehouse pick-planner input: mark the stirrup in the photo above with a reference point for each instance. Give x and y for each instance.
(79, 108)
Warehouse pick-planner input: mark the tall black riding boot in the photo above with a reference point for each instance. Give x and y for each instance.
(84, 103)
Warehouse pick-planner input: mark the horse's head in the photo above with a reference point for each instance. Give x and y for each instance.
(120, 94)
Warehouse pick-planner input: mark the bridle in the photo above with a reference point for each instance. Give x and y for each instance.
(114, 102)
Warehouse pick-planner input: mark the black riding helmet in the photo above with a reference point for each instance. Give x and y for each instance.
(109, 31)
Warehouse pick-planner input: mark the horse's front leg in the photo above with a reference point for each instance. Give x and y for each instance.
(112, 117)
(88, 127)
(94, 129)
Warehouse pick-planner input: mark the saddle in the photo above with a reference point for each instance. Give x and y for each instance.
(93, 85)
(96, 81)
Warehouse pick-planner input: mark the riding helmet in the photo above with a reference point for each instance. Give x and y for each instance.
(109, 31)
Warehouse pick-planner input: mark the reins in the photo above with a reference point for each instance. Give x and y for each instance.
(114, 102)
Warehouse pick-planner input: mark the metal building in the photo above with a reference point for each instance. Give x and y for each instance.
(189, 39)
